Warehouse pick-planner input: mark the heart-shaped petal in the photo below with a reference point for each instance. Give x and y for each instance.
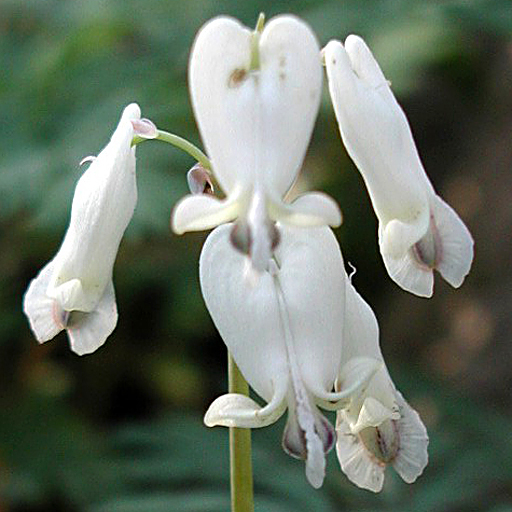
(255, 124)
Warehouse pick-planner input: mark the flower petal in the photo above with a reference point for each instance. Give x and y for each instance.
(255, 124)
(409, 275)
(456, 243)
(234, 410)
(246, 315)
(307, 260)
(45, 316)
(308, 210)
(89, 331)
(376, 134)
(353, 381)
(373, 414)
(308, 436)
(412, 456)
(198, 211)
(359, 468)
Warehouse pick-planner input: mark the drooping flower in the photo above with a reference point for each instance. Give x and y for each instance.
(418, 231)
(74, 291)
(378, 428)
(285, 336)
(255, 122)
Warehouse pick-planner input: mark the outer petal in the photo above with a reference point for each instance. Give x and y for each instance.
(89, 331)
(308, 210)
(255, 124)
(307, 260)
(447, 246)
(412, 456)
(103, 205)
(45, 315)
(197, 212)
(355, 461)
(455, 243)
(240, 411)
(361, 339)
(246, 315)
(375, 132)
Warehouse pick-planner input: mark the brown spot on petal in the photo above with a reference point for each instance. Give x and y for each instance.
(236, 78)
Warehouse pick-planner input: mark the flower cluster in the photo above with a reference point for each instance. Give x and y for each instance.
(271, 272)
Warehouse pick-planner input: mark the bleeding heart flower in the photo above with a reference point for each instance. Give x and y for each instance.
(74, 291)
(285, 335)
(418, 231)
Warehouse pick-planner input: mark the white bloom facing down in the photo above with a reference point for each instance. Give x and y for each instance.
(256, 125)
(285, 336)
(74, 291)
(418, 231)
(378, 428)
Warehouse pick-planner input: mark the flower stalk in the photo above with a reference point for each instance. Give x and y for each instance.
(255, 41)
(180, 143)
(240, 453)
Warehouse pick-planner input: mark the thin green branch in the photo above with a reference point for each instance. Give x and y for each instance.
(180, 143)
(240, 454)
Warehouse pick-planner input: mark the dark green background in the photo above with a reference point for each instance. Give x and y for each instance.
(121, 430)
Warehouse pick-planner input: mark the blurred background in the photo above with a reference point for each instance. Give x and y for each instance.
(121, 430)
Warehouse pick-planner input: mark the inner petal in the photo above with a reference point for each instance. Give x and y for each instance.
(382, 442)
(254, 234)
(308, 435)
(427, 250)
(295, 442)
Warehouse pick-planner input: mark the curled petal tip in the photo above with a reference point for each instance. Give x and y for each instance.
(235, 410)
(199, 180)
(87, 160)
(144, 128)
(202, 211)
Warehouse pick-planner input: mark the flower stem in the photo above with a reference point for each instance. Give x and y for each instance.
(180, 143)
(255, 43)
(242, 498)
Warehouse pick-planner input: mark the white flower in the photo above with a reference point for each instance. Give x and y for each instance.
(285, 336)
(418, 231)
(74, 291)
(256, 125)
(378, 428)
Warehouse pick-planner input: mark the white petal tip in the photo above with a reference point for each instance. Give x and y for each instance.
(412, 456)
(407, 273)
(234, 410)
(456, 254)
(308, 210)
(131, 111)
(200, 212)
(355, 461)
(45, 316)
(88, 331)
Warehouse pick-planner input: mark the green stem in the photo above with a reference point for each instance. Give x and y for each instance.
(180, 143)
(242, 497)
(255, 43)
